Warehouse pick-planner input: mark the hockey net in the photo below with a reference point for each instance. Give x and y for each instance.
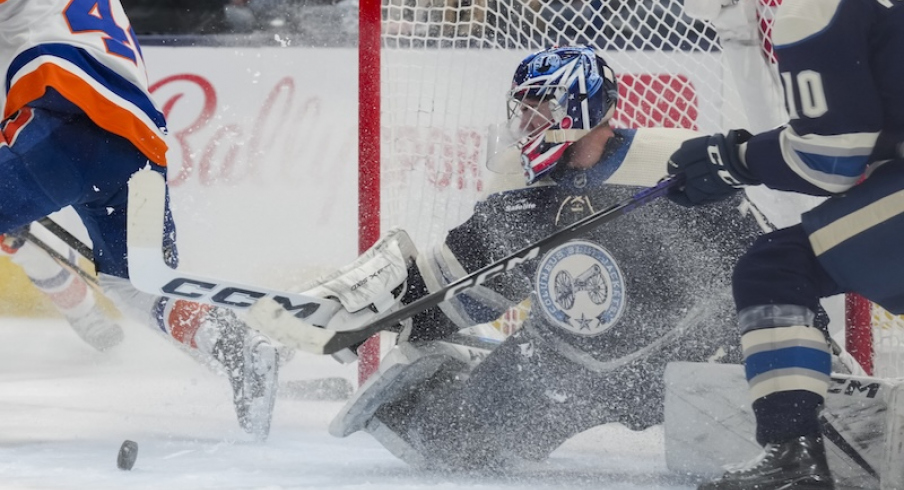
(433, 78)
(874, 337)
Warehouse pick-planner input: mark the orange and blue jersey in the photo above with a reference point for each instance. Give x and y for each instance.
(86, 51)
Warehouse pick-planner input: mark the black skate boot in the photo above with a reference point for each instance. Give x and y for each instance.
(799, 464)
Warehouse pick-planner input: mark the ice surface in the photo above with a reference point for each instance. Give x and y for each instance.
(65, 410)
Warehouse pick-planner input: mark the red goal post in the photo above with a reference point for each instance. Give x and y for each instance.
(433, 74)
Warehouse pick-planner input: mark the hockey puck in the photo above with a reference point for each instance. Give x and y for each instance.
(128, 453)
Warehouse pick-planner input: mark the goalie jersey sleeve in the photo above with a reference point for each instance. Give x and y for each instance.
(87, 52)
(842, 93)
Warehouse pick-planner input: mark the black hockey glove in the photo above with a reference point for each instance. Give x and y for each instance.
(712, 168)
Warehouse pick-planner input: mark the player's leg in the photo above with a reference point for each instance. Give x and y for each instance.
(436, 406)
(777, 287)
(217, 338)
(847, 244)
(72, 296)
(28, 195)
(856, 236)
(61, 158)
(215, 335)
(39, 178)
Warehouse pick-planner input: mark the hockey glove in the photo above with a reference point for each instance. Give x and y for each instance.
(712, 168)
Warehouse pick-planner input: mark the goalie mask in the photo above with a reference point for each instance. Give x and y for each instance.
(557, 96)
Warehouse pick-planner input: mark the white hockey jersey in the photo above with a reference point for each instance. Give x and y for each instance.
(87, 51)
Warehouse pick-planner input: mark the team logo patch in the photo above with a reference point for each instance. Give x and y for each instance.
(581, 288)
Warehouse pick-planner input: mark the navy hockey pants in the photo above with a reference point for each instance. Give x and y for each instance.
(50, 160)
(850, 243)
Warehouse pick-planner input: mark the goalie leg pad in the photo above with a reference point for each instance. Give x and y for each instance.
(435, 410)
(402, 372)
(707, 427)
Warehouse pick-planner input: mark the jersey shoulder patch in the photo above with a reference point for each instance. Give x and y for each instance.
(796, 21)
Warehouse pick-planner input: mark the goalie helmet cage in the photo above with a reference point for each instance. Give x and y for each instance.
(433, 76)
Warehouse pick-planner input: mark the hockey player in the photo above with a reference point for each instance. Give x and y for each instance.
(607, 312)
(840, 64)
(78, 121)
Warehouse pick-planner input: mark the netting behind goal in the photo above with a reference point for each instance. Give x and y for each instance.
(434, 74)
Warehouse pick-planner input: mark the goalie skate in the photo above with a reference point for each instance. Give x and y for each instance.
(251, 363)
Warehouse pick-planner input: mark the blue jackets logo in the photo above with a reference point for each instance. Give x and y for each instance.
(580, 288)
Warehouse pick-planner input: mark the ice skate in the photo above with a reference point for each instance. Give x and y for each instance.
(97, 329)
(252, 365)
(799, 464)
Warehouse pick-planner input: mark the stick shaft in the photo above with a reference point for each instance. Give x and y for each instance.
(342, 340)
(61, 259)
(68, 238)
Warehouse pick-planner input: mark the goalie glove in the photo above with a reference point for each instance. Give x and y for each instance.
(375, 281)
(367, 288)
(375, 284)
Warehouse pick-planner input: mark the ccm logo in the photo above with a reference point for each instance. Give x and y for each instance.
(233, 297)
(490, 273)
(853, 387)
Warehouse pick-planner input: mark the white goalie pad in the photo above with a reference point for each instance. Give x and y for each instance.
(709, 424)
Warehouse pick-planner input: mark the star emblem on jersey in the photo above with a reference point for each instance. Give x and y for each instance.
(583, 322)
(581, 288)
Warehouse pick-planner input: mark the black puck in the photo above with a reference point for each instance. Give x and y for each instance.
(128, 453)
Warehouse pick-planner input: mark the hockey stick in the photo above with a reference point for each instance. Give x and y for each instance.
(68, 238)
(833, 434)
(61, 259)
(149, 272)
(267, 315)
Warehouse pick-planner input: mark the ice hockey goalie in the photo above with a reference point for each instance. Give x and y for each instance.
(607, 311)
